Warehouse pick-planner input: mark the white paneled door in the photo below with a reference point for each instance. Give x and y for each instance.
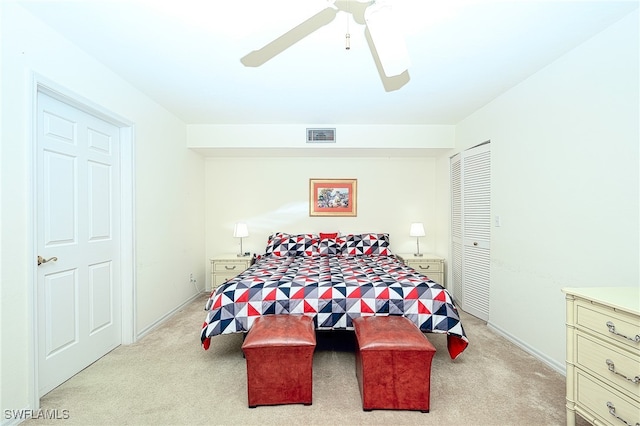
(78, 238)
(471, 229)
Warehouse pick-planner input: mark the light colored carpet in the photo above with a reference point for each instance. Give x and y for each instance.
(167, 378)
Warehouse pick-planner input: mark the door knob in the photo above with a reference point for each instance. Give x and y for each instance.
(42, 260)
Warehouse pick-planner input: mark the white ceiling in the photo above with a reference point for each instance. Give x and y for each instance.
(186, 54)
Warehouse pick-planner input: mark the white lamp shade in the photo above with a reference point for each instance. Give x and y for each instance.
(240, 230)
(416, 230)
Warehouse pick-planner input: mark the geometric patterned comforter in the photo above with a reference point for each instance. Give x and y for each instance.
(333, 290)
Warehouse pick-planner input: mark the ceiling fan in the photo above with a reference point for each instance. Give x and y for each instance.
(386, 40)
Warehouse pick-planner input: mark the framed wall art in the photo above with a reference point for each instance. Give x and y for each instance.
(333, 197)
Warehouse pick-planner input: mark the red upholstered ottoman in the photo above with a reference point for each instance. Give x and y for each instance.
(393, 363)
(279, 353)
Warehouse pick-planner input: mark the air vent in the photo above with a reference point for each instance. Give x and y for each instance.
(321, 135)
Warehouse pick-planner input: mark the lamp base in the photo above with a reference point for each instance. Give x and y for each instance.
(417, 254)
(242, 255)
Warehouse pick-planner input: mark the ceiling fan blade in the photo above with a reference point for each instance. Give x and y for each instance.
(387, 38)
(390, 84)
(288, 39)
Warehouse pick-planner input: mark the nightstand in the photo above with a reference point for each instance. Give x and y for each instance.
(427, 264)
(227, 266)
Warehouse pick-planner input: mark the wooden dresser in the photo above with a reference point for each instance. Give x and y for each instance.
(603, 355)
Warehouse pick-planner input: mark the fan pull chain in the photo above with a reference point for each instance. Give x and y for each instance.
(347, 37)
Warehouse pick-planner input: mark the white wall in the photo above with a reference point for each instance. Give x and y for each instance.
(272, 194)
(565, 170)
(169, 189)
(2, 318)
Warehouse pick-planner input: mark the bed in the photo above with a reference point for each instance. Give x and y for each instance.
(334, 279)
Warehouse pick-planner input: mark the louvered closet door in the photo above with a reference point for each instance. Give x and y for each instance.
(476, 230)
(456, 228)
(471, 231)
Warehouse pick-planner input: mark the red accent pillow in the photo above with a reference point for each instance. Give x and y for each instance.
(329, 236)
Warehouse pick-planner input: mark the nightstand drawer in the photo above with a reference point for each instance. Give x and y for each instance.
(229, 266)
(424, 266)
(219, 279)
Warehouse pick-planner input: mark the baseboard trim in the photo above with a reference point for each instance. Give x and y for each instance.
(166, 316)
(560, 368)
(14, 420)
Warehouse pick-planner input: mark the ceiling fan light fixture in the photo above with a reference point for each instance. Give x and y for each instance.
(387, 37)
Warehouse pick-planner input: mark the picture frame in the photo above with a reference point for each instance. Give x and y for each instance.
(333, 197)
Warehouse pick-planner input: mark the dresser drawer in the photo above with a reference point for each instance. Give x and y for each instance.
(605, 360)
(613, 325)
(605, 402)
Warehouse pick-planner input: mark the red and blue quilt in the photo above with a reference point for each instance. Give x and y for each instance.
(333, 290)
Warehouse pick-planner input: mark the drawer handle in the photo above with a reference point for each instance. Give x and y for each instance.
(230, 268)
(612, 411)
(612, 329)
(422, 267)
(612, 368)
